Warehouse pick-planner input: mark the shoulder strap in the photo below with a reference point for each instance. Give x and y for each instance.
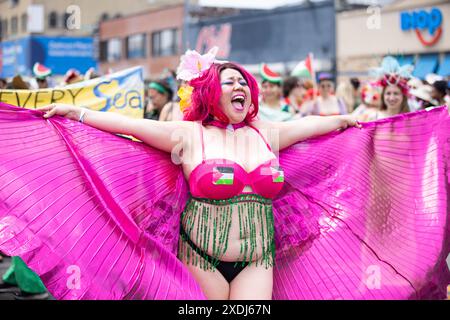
(203, 142)
(265, 141)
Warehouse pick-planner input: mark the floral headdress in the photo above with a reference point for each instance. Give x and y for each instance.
(192, 66)
(391, 73)
(371, 92)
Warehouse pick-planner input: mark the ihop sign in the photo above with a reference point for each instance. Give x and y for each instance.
(427, 25)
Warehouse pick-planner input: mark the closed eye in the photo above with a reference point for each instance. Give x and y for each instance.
(229, 82)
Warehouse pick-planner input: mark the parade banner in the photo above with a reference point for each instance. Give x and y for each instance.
(121, 92)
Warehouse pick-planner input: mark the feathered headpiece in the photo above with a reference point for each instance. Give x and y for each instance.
(391, 73)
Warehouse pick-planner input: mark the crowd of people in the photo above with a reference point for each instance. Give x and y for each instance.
(290, 97)
(44, 79)
(283, 98)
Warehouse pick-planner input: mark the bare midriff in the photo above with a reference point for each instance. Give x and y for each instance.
(236, 229)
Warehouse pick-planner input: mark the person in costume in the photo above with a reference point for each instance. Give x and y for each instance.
(159, 93)
(109, 218)
(371, 102)
(226, 233)
(326, 103)
(72, 76)
(172, 109)
(393, 79)
(42, 74)
(270, 107)
(294, 94)
(394, 100)
(439, 92)
(421, 98)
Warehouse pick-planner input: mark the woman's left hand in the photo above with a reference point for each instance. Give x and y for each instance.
(349, 121)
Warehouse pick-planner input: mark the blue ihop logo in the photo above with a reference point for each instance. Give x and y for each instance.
(420, 21)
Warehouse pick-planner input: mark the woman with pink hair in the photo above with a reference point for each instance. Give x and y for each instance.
(248, 212)
(234, 183)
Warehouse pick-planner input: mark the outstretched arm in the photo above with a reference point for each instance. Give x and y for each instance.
(290, 132)
(160, 135)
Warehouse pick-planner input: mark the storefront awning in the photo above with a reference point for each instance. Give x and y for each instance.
(426, 64)
(402, 60)
(444, 68)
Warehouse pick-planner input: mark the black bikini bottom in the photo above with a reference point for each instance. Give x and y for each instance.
(229, 270)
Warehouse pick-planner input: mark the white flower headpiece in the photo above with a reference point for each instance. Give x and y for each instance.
(193, 64)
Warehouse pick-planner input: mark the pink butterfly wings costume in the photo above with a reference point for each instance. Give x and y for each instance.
(362, 214)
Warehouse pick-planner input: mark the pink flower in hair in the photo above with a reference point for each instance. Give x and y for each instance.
(193, 64)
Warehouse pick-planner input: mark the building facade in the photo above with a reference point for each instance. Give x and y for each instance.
(51, 18)
(415, 31)
(280, 37)
(60, 34)
(151, 39)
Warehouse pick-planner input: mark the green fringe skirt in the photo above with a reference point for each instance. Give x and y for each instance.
(207, 223)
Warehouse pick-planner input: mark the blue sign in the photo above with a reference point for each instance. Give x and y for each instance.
(14, 58)
(421, 20)
(63, 53)
(57, 53)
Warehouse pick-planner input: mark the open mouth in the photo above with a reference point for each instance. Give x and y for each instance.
(238, 101)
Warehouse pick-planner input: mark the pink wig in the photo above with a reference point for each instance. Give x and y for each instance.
(205, 99)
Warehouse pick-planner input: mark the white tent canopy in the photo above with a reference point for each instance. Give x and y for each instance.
(248, 4)
(271, 4)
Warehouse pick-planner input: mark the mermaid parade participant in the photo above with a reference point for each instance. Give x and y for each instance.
(370, 105)
(160, 93)
(108, 218)
(393, 79)
(294, 94)
(326, 103)
(271, 106)
(227, 235)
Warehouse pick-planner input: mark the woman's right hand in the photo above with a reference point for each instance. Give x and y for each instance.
(65, 110)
